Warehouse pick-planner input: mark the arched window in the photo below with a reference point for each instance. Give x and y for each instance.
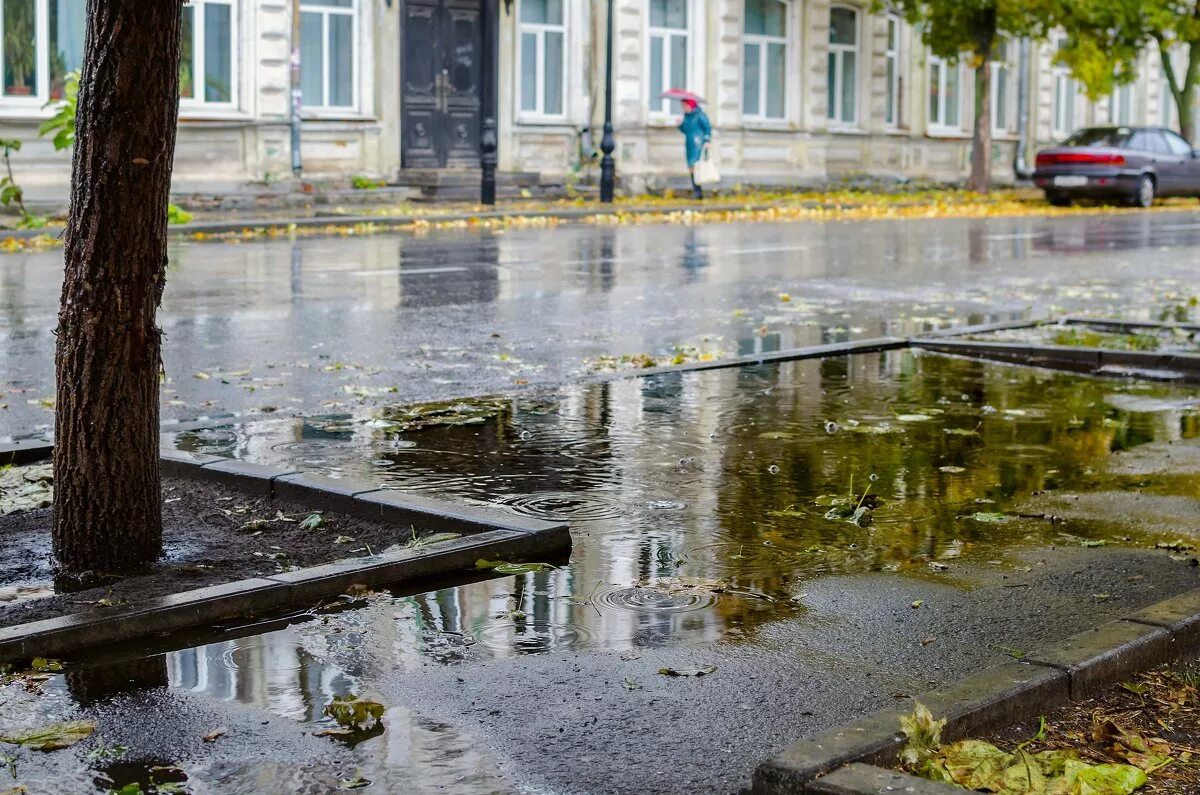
(843, 65)
(764, 59)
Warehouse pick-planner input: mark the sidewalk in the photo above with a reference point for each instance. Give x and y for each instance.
(358, 215)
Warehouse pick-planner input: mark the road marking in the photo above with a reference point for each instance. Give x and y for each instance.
(402, 272)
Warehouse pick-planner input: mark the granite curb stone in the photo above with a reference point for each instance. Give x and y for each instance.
(1180, 615)
(867, 780)
(1098, 657)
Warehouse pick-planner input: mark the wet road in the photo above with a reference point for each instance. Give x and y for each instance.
(321, 324)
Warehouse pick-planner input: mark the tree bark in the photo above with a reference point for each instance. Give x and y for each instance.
(107, 500)
(981, 140)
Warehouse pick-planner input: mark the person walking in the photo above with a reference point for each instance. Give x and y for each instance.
(697, 133)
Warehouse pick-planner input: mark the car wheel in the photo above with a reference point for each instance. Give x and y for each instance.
(1058, 200)
(1143, 196)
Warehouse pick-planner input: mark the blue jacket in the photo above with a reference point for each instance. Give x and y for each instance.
(696, 133)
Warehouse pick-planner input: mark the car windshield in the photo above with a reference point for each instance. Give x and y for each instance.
(1099, 136)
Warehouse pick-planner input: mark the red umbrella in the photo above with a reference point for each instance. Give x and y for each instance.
(681, 95)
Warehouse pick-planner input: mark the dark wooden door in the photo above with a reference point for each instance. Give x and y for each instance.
(441, 83)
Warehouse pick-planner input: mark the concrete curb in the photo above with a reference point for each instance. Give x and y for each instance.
(25, 452)
(1095, 361)
(1073, 669)
(486, 534)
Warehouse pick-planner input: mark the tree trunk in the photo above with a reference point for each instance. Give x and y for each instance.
(107, 500)
(981, 141)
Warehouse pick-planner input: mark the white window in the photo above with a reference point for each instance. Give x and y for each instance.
(1004, 105)
(1166, 101)
(669, 34)
(41, 41)
(1065, 93)
(543, 57)
(842, 85)
(946, 82)
(764, 60)
(1120, 105)
(328, 54)
(207, 62)
(891, 57)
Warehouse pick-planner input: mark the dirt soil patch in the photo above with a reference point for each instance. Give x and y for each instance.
(1152, 721)
(212, 534)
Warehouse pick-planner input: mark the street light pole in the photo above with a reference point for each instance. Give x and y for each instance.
(488, 137)
(608, 143)
(296, 94)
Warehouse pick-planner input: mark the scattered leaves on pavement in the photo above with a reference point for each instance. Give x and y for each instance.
(355, 714)
(501, 567)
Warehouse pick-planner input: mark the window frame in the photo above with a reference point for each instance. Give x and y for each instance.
(662, 112)
(1122, 101)
(835, 112)
(1003, 73)
(892, 48)
(195, 106)
(762, 41)
(357, 45)
(939, 127)
(540, 29)
(1064, 95)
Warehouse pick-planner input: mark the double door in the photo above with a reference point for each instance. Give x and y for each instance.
(441, 83)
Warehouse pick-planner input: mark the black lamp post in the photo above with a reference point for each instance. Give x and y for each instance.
(488, 138)
(608, 167)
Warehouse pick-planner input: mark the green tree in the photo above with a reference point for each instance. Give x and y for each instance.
(1105, 38)
(969, 31)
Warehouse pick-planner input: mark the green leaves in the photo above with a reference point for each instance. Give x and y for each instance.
(981, 766)
(62, 123)
(313, 521)
(924, 735)
(355, 714)
(52, 737)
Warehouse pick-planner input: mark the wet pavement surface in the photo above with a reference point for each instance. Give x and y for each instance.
(831, 536)
(294, 326)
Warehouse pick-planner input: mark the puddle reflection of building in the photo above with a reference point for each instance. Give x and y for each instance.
(271, 672)
(433, 272)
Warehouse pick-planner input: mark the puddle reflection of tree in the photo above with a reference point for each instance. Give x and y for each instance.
(1061, 436)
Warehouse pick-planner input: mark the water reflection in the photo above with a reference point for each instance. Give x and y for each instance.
(699, 502)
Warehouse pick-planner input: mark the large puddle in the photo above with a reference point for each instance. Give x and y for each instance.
(700, 505)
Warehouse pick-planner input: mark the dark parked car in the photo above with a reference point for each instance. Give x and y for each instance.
(1136, 164)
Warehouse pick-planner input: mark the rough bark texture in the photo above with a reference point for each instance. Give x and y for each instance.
(981, 141)
(107, 503)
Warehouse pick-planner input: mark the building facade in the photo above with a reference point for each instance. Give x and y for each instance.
(798, 91)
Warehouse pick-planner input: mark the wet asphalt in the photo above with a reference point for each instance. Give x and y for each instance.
(326, 324)
(290, 325)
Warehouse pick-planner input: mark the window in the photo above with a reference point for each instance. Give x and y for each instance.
(891, 57)
(668, 50)
(945, 95)
(842, 84)
(1065, 92)
(206, 61)
(1166, 100)
(1003, 94)
(42, 42)
(1178, 146)
(328, 46)
(543, 57)
(764, 59)
(1149, 141)
(1120, 105)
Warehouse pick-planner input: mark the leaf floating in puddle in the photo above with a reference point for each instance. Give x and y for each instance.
(52, 737)
(693, 672)
(913, 418)
(960, 431)
(501, 567)
(952, 470)
(358, 782)
(354, 713)
(44, 665)
(990, 518)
